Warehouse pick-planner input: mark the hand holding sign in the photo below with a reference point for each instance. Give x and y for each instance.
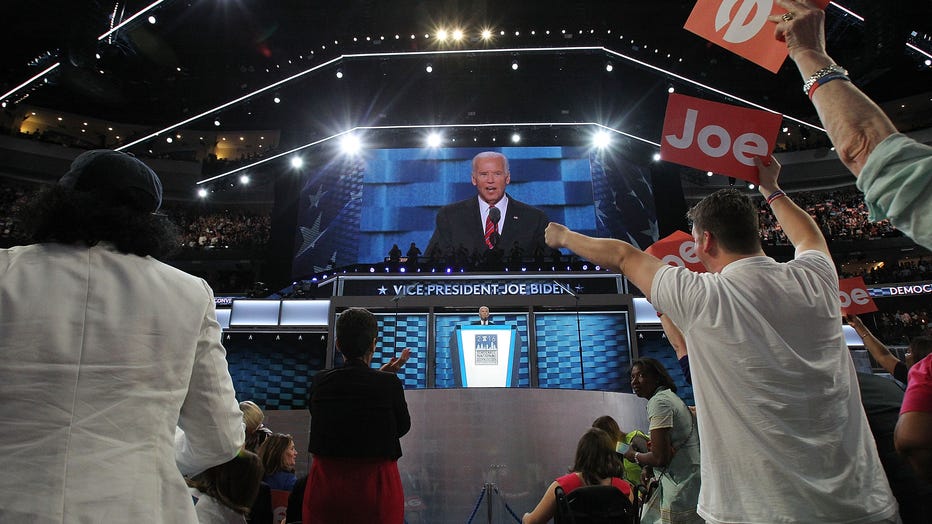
(678, 249)
(741, 27)
(804, 29)
(717, 137)
(855, 300)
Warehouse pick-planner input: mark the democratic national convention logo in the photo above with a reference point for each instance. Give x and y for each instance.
(486, 350)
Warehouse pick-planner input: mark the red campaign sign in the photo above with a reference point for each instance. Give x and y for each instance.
(678, 249)
(716, 137)
(855, 300)
(741, 26)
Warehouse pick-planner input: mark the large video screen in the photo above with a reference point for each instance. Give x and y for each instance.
(353, 209)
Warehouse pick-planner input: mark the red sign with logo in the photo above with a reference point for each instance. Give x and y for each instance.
(715, 137)
(678, 249)
(741, 26)
(855, 300)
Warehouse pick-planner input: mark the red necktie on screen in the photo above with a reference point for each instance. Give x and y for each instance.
(491, 227)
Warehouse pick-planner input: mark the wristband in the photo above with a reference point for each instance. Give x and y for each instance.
(826, 79)
(825, 71)
(636, 461)
(775, 195)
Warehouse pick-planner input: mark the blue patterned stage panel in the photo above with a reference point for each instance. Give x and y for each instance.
(407, 330)
(274, 370)
(605, 347)
(444, 326)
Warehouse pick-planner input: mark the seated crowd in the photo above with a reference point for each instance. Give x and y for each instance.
(840, 214)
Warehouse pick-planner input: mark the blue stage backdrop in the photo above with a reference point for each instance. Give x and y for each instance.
(274, 369)
(352, 210)
(606, 351)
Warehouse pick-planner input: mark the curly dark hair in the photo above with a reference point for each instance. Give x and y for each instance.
(652, 366)
(57, 214)
(596, 458)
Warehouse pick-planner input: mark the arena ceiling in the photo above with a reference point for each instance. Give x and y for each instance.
(201, 54)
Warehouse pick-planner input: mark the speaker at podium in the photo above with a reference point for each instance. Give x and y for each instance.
(485, 356)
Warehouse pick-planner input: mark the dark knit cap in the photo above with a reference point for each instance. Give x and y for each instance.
(120, 179)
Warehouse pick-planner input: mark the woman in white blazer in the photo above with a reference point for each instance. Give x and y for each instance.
(104, 351)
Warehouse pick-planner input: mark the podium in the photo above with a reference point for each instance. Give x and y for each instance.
(485, 356)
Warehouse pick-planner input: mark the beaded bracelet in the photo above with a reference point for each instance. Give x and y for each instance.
(826, 79)
(821, 73)
(775, 195)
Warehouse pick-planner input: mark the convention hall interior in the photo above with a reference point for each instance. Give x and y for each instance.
(306, 147)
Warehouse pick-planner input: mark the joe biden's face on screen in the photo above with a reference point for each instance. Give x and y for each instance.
(490, 176)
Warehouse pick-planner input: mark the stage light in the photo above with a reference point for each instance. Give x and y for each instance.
(401, 270)
(216, 123)
(514, 65)
(152, 20)
(297, 162)
(609, 67)
(670, 90)
(656, 157)
(277, 100)
(442, 35)
(601, 139)
(202, 193)
(751, 186)
(244, 179)
(515, 138)
(457, 35)
(786, 130)
(434, 139)
(429, 68)
(350, 144)
(486, 34)
(709, 173)
(167, 139)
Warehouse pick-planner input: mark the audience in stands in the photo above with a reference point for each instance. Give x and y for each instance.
(358, 416)
(596, 464)
(783, 320)
(674, 447)
(892, 169)
(636, 439)
(256, 432)
(105, 351)
(919, 347)
(278, 456)
(221, 230)
(841, 215)
(902, 271)
(913, 436)
(226, 492)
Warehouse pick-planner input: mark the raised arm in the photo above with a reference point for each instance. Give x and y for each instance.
(799, 227)
(875, 347)
(636, 265)
(855, 124)
(674, 335)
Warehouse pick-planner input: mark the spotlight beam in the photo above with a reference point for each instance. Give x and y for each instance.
(422, 126)
(523, 50)
(54, 66)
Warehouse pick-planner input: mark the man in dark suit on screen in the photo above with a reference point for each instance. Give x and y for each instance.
(493, 219)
